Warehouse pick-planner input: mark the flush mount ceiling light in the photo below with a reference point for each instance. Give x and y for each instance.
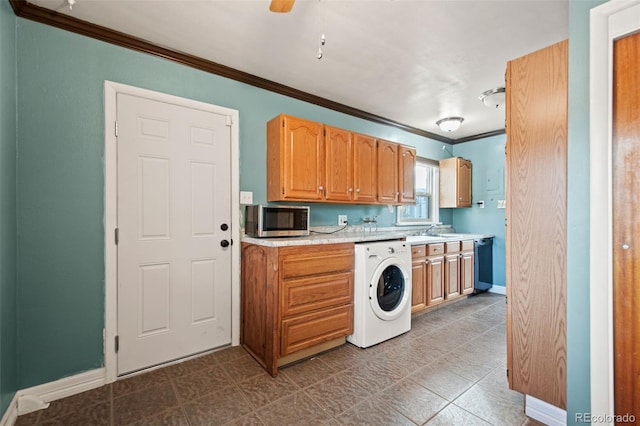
(450, 124)
(493, 98)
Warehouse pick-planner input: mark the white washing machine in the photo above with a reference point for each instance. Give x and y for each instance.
(382, 292)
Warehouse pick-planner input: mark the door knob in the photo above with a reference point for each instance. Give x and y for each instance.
(224, 243)
(224, 226)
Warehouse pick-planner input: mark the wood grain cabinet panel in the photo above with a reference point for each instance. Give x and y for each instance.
(435, 280)
(296, 301)
(536, 238)
(455, 183)
(441, 272)
(467, 271)
(365, 169)
(387, 172)
(314, 162)
(295, 159)
(407, 174)
(418, 278)
(339, 164)
(304, 331)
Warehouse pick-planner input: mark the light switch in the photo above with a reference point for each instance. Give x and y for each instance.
(246, 197)
(502, 204)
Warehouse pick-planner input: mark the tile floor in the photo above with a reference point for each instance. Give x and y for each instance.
(448, 370)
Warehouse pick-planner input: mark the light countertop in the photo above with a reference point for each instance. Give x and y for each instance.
(360, 237)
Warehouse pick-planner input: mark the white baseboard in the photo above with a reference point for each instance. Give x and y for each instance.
(498, 289)
(38, 397)
(544, 412)
(11, 415)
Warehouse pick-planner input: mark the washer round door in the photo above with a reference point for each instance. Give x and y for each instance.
(389, 290)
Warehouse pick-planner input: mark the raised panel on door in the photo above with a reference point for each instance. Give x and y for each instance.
(418, 285)
(303, 331)
(303, 163)
(467, 271)
(452, 276)
(339, 164)
(435, 280)
(365, 166)
(464, 183)
(407, 169)
(173, 193)
(536, 162)
(626, 227)
(315, 292)
(387, 172)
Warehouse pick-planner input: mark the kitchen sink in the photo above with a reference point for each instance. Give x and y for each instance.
(422, 238)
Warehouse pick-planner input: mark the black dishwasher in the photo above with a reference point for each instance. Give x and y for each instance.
(483, 273)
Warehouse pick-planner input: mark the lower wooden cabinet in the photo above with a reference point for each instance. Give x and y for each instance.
(441, 272)
(296, 301)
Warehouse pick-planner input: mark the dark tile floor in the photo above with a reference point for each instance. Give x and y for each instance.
(448, 370)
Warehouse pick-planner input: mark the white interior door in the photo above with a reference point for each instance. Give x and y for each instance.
(174, 216)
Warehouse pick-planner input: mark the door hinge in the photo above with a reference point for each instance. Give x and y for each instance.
(507, 373)
(229, 121)
(117, 343)
(117, 235)
(116, 128)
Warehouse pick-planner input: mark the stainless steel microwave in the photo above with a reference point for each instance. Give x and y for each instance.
(276, 221)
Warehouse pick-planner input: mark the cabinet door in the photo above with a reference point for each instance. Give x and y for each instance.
(452, 276)
(365, 166)
(339, 164)
(435, 280)
(407, 170)
(303, 160)
(418, 285)
(463, 188)
(466, 272)
(387, 172)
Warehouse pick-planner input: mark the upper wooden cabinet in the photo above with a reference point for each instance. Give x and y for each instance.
(387, 172)
(455, 182)
(295, 159)
(339, 164)
(365, 169)
(310, 161)
(407, 174)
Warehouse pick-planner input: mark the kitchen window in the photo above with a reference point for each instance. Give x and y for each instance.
(426, 210)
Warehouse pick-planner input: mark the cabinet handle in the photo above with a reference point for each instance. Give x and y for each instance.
(357, 189)
(321, 188)
(350, 189)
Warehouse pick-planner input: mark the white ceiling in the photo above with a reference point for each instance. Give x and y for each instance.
(411, 61)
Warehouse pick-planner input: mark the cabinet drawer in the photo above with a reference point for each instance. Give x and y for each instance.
(466, 245)
(304, 295)
(315, 260)
(435, 249)
(452, 247)
(418, 251)
(304, 331)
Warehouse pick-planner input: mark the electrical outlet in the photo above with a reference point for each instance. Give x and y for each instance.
(502, 204)
(342, 219)
(246, 197)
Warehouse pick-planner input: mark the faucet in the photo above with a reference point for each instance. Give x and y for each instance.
(427, 231)
(369, 221)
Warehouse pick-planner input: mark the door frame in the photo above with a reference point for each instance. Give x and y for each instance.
(609, 21)
(111, 90)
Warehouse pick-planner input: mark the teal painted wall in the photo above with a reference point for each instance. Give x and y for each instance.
(578, 341)
(60, 181)
(488, 161)
(8, 308)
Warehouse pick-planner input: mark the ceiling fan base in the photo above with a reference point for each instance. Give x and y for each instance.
(281, 6)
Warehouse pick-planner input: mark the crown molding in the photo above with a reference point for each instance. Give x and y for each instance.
(26, 10)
